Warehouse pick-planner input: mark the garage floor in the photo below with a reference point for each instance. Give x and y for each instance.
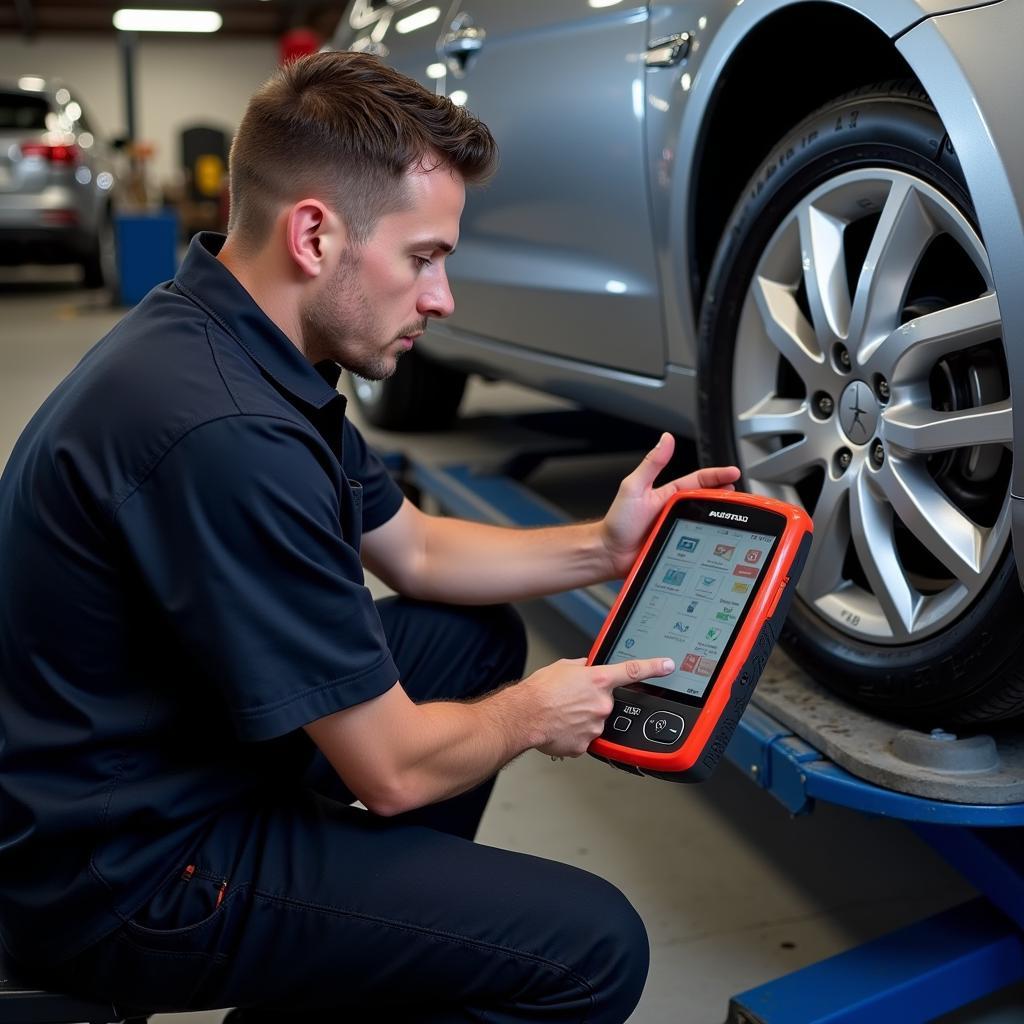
(734, 891)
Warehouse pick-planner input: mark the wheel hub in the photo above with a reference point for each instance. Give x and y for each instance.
(858, 413)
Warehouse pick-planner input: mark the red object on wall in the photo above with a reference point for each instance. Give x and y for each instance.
(298, 42)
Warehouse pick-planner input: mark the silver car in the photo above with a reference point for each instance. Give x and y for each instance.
(793, 231)
(57, 182)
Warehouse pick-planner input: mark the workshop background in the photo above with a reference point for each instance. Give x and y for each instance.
(734, 890)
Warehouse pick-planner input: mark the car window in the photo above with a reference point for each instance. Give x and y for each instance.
(26, 113)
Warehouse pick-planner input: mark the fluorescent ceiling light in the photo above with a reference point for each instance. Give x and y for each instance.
(31, 83)
(135, 20)
(421, 19)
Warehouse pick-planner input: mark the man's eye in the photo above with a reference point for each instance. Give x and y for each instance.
(421, 261)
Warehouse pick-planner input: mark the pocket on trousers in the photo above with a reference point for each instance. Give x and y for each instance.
(188, 900)
(167, 956)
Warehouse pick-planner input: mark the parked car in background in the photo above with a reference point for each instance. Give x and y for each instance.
(791, 230)
(57, 182)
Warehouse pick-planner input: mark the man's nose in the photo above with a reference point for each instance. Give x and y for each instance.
(437, 300)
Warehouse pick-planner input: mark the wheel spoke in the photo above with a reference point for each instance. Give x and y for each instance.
(920, 430)
(912, 349)
(900, 239)
(823, 572)
(788, 465)
(772, 417)
(824, 266)
(871, 525)
(934, 520)
(787, 328)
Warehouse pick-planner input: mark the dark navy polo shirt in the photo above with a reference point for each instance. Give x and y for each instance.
(179, 555)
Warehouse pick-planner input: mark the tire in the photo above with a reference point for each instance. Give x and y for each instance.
(99, 268)
(420, 395)
(896, 438)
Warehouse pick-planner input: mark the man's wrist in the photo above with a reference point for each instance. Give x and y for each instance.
(611, 564)
(519, 713)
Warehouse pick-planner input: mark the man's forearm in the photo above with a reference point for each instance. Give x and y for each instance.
(455, 747)
(472, 563)
(396, 755)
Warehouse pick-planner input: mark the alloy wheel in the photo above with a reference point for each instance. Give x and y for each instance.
(870, 385)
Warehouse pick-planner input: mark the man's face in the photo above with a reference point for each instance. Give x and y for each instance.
(377, 301)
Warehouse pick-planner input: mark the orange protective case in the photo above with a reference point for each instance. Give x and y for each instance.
(747, 653)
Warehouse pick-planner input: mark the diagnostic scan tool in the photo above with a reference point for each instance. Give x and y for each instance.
(710, 589)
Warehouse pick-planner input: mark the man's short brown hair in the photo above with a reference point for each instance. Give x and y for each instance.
(345, 128)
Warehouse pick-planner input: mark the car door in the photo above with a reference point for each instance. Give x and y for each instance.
(556, 253)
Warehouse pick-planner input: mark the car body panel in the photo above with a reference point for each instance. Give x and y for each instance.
(659, 401)
(557, 267)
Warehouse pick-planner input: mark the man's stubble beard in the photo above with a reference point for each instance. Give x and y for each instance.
(340, 325)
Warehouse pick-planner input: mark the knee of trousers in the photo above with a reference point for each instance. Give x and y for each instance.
(597, 937)
(618, 960)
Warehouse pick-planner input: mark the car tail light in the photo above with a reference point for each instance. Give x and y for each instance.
(53, 154)
(60, 218)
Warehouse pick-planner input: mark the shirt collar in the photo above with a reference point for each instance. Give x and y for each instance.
(205, 280)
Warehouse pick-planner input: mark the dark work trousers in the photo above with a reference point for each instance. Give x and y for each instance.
(334, 914)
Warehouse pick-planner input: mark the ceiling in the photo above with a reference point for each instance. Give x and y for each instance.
(32, 19)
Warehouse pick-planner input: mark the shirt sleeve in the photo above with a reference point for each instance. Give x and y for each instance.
(382, 497)
(239, 534)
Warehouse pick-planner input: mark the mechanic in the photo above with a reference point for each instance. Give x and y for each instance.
(195, 685)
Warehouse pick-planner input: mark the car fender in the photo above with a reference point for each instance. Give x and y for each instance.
(678, 104)
(978, 99)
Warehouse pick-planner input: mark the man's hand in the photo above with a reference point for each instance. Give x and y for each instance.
(570, 700)
(638, 502)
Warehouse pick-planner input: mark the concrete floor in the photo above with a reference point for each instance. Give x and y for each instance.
(734, 891)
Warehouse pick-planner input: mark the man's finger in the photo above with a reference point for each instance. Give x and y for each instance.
(722, 477)
(655, 461)
(717, 476)
(624, 672)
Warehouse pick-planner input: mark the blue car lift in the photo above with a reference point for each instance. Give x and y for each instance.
(915, 974)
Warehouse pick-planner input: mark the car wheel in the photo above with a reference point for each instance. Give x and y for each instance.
(420, 395)
(99, 268)
(851, 360)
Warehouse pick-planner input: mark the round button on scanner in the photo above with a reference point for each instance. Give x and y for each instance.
(663, 727)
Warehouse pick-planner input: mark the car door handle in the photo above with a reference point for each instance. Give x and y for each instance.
(463, 43)
(663, 53)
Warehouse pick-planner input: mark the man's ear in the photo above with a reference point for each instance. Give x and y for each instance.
(314, 235)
